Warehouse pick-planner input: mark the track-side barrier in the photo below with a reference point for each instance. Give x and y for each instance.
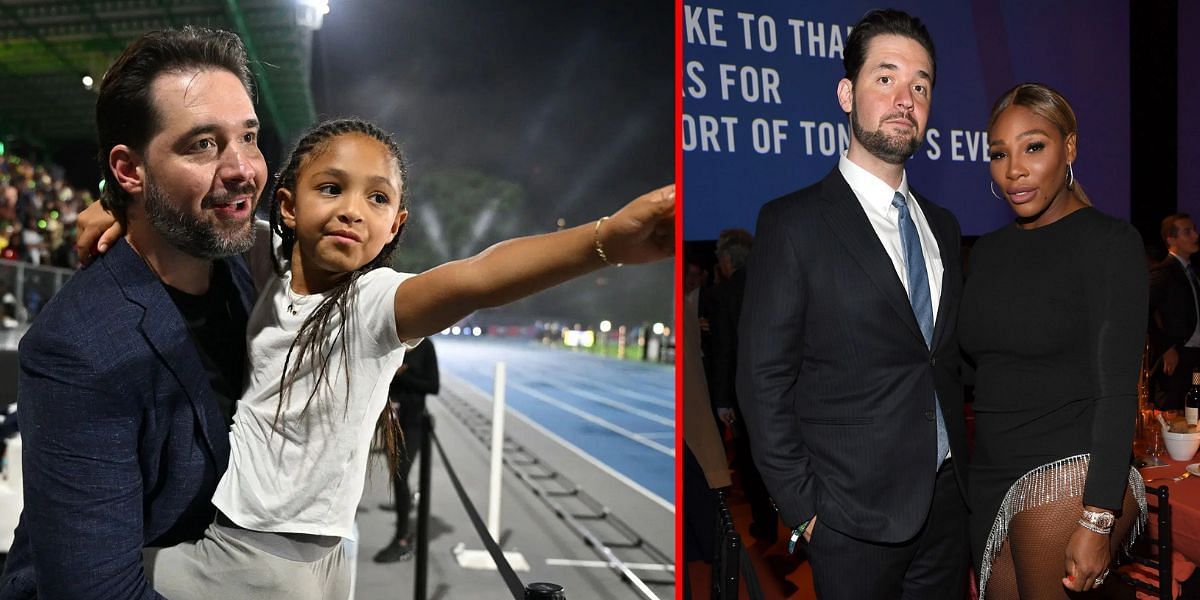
(519, 591)
(621, 548)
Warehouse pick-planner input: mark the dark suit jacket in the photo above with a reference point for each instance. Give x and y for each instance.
(1173, 306)
(123, 440)
(835, 380)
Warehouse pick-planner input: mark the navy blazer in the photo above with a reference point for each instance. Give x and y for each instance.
(123, 440)
(834, 379)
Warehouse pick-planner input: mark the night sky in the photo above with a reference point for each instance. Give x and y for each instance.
(573, 102)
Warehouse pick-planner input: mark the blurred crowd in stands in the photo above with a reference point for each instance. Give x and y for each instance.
(37, 214)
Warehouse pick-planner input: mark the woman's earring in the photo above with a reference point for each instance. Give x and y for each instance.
(992, 187)
(1070, 176)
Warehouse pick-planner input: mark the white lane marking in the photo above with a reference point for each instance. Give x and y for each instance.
(597, 564)
(664, 435)
(629, 393)
(587, 416)
(483, 399)
(543, 360)
(621, 406)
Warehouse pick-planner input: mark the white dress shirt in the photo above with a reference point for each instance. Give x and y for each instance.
(876, 199)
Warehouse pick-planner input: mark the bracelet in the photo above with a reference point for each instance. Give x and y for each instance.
(600, 247)
(797, 533)
(1095, 528)
(1100, 518)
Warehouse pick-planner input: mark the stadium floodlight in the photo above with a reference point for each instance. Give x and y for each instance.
(476, 331)
(456, 330)
(658, 328)
(605, 326)
(311, 13)
(88, 82)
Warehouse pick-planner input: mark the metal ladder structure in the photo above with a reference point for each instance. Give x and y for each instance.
(618, 545)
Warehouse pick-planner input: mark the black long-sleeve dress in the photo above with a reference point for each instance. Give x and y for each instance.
(1053, 320)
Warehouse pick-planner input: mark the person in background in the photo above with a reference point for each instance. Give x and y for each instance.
(733, 248)
(1174, 327)
(416, 378)
(705, 467)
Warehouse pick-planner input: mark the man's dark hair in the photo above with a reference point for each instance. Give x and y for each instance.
(884, 21)
(1170, 226)
(125, 113)
(736, 244)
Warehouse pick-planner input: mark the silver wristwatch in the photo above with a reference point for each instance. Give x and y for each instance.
(1098, 522)
(1103, 520)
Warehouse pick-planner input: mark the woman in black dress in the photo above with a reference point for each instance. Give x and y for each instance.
(1053, 319)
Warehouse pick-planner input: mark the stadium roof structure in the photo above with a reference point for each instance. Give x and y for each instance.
(48, 46)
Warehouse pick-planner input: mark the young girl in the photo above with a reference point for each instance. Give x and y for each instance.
(325, 338)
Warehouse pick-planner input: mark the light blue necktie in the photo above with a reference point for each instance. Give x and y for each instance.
(918, 295)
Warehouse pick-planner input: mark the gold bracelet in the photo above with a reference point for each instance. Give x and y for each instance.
(600, 247)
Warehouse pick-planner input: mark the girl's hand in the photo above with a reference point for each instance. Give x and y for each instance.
(642, 231)
(97, 230)
(1087, 557)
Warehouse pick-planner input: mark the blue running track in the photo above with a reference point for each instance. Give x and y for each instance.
(621, 413)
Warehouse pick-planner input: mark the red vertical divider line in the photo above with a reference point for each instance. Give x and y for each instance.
(679, 444)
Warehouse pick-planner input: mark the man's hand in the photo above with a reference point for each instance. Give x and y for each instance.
(1170, 360)
(726, 415)
(98, 229)
(642, 231)
(808, 530)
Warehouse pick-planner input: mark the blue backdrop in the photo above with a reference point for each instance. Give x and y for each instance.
(1189, 124)
(760, 114)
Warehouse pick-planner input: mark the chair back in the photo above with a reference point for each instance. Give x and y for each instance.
(1154, 554)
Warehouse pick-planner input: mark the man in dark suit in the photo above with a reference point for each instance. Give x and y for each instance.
(127, 377)
(1174, 335)
(848, 372)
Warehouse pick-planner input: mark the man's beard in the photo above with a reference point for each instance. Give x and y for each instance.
(891, 149)
(190, 234)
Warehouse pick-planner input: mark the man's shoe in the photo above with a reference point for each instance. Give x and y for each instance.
(396, 551)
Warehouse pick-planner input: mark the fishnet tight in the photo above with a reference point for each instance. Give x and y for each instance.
(1032, 561)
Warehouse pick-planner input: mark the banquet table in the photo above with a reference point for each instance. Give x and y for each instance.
(1185, 505)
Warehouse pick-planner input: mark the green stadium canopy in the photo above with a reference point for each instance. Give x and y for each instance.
(48, 46)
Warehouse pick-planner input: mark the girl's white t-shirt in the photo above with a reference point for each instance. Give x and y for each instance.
(305, 472)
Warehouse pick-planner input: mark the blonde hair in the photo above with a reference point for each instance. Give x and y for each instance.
(1047, 103)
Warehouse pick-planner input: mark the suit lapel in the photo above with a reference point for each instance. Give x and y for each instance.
(165, 331)
(849, 223)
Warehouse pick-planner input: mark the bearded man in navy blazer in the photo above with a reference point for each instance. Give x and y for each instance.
(128, 376)
(849, 364)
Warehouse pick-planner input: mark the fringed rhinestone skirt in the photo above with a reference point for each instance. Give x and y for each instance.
(1050, 482)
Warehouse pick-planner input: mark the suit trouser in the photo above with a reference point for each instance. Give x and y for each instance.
(1170, 389)
(933, 565)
